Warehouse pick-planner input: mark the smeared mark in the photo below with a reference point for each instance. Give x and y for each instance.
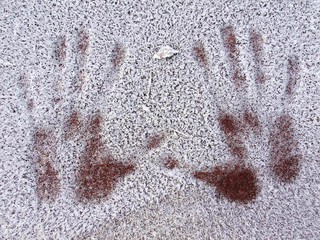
(118, 56)
(170, 163)
(231, 45)
(200, 54)
(237, 183)
(233, 130)
(293, 74)
(256, 44)
(155, 141)
(96, 181)
(98, 172)
(229, 124)
(285, 157)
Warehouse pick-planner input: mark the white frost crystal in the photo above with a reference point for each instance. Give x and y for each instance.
(165, 52)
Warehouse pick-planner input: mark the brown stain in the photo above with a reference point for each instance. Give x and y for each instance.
(251, 120)
(229, 124)
(118, 56)
(155, 141)
(61, 52)
(170, 163)
(256, 44)
(232, 128)
(293, 70)
(99, 172)
(237, 183)
(231, 45)
(285, 157)
(47, 180)
(200, 54)
(97, 180)
(83, 44)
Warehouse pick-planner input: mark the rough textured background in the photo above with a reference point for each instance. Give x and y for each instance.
(147, 96)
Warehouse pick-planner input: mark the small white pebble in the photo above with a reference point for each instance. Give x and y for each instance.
(165, 52)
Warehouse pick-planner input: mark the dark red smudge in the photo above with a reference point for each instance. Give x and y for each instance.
(251, 120)
(118, 56)
(200, 54)
(229, 124)
(99, 172)
(61, 52)
(83, 43)
(237, 183)
(231, 45)
(73, 124)
(293, 74)
(171, 163)
(285, 159)
(155, 141)
(48, 182)
(97, 180)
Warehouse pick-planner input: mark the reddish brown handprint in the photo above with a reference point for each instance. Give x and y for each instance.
(237, 181)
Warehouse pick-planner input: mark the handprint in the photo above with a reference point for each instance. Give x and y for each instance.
(238, 180)
(98, 171)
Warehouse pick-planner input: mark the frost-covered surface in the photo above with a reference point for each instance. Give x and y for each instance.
(145, 96)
